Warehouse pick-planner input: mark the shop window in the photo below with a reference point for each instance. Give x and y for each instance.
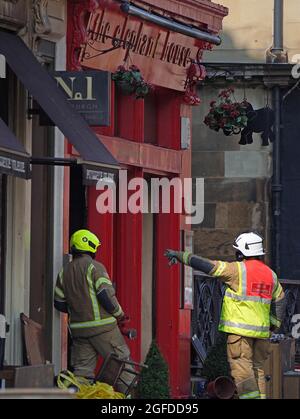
(125, 118)
(154, 120)
(4, 116)
(4, 98)
(168, 118)
(129, 117)
(2, 240)
(150, 119)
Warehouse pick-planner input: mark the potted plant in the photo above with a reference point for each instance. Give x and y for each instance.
(131, 81)
(154, 381)
(226, 114)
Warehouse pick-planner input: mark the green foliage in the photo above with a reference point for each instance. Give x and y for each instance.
(154, 380)
(131, 81)
(216, 364)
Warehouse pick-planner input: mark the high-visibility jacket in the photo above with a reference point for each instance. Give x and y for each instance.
(78, 285)
(247, 312)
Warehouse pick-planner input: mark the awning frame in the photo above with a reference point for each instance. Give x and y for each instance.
(51, 99)
(172, 25)
(53, 161)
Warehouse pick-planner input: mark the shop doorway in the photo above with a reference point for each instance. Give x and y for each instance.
(148, 283)
(41, 250)
(78, 200)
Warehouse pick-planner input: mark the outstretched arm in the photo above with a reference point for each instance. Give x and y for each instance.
(224, 271)
(196, 262)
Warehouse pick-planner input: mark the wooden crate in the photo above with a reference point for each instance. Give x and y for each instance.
(291, 385)
(35, 376)
(281, 360)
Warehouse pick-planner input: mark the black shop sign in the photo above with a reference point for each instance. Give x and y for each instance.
(88, 92)
(93, 174)
(15, 165)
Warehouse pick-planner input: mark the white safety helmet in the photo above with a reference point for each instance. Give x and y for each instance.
(250, 245)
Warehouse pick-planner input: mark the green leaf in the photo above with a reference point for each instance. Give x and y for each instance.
(154, 381)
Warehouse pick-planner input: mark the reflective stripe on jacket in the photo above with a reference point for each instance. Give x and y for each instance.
(247, 311)
(77, 285)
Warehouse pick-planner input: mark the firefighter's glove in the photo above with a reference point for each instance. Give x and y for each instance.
(122, 321)
(131, 334)
(173, 256)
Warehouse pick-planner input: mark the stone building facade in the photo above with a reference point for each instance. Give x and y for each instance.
(238, 179)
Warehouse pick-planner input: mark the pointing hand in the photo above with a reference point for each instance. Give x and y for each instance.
(172, 255)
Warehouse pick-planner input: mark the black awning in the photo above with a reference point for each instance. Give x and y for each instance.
(45, 91)
(13, 157)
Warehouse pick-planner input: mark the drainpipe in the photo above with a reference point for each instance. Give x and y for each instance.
(276, 182)
(278, 27)
(278, 52)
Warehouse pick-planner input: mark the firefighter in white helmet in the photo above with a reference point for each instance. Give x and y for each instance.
(253, 308)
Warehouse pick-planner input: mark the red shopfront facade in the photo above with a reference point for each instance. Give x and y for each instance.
(146, 137)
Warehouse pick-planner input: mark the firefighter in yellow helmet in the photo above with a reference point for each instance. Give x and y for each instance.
(253, 307)
(85, 292)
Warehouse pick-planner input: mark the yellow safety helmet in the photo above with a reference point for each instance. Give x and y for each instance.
(83, 241)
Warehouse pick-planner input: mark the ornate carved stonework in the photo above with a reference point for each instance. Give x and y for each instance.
(80, 11)
(40, 16)
(13, 14)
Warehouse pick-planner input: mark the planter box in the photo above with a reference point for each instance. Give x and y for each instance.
(281, 360)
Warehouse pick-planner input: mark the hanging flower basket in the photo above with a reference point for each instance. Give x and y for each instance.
(131, 82)
(226, 114)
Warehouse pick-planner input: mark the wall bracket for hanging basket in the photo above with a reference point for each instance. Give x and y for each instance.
(260, 121)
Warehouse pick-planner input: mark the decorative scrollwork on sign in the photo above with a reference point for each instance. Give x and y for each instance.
(40, 15)
(81, 10)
